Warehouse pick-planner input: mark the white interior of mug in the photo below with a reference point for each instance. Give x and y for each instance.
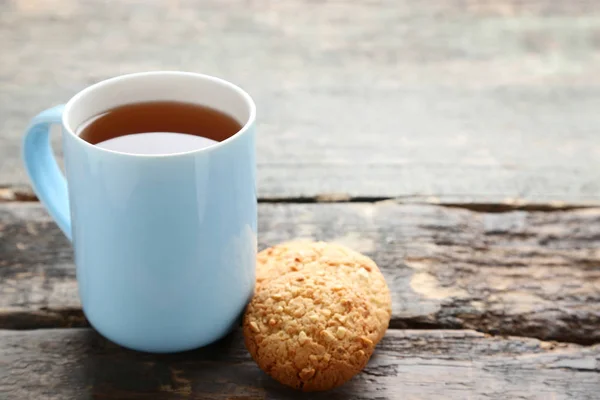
(160, 86)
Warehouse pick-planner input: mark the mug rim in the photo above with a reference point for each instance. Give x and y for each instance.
(241, 92)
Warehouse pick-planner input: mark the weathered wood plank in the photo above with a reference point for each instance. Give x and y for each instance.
(519, 273)
(474, 101)
(78, 364)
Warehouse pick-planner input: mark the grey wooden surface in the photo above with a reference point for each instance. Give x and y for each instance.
(78, 364)
(451, 101)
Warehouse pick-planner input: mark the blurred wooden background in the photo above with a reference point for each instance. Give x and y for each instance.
(452, 101)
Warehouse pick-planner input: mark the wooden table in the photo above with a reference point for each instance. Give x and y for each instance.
(456, 142)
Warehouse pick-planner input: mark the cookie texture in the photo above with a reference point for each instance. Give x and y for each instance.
(308, 331)
(351, 268)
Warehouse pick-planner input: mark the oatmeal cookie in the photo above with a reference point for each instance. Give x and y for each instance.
(308, 331)
(352, 268)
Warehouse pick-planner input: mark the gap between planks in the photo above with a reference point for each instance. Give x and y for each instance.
(12, 194)
(75, 319)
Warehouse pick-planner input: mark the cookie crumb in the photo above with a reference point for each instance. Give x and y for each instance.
(327, 335)
(307, 373)
(302, 338)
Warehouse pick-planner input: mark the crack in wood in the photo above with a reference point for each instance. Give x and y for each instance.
(10, 194)
(48, 318)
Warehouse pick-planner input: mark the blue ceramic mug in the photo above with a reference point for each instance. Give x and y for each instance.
(164, 245)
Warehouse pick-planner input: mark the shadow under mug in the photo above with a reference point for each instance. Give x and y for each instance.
(165, 245)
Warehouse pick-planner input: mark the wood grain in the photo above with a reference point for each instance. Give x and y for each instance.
(79, 364)
(518, 273)
(459, 101)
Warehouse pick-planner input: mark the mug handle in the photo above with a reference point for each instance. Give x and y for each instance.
(49, 184)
